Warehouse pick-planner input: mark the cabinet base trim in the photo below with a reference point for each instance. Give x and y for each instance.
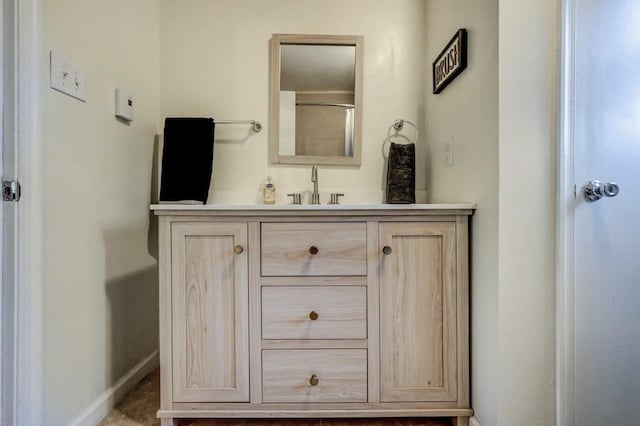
(328, 413)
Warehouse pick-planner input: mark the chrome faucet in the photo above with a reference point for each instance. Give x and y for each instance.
(315, 197)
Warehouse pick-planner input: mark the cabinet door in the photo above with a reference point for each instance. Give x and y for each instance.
(417, 312)
(209, 279)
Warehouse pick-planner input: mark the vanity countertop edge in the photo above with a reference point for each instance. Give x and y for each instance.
(304, 210)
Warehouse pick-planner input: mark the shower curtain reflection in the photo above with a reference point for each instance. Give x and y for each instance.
(349, 131)
(325, 129)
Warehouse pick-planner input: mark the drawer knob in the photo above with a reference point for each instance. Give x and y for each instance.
(313, 250)
(238, 249)
(313, 315)
(387, 250)
(313, 381)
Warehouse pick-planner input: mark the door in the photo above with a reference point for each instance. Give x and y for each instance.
(607, 231)
(417, 312)
(9, 302)
(210, 301)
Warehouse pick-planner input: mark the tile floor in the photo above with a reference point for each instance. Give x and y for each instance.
(140, 406)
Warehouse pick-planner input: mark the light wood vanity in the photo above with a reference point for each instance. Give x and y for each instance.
(300, 311)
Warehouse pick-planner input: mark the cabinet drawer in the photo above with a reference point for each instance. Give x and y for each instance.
(314, 312)
(314, 375)
(305, 249)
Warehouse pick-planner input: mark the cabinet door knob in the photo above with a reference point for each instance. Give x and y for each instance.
(387, 250)
(238, 249)
(313, 250)
(313, 315)
(313, 381)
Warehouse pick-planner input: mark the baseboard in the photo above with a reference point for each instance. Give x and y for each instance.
(98, 409)
(474, 422)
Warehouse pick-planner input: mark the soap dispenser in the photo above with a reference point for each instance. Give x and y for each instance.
(269, 191)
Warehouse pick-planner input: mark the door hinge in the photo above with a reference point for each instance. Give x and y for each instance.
(11, 190)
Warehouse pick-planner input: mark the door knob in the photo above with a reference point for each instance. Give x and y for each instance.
(611, 189)
(594, 190)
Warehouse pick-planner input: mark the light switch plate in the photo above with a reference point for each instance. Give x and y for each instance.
(124, 105)
(448, 152)
(68, 77)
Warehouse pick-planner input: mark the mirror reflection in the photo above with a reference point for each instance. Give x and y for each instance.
(316, 99)
(317, 87)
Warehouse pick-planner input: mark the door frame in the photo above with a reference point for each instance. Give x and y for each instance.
(25, 330)
(565, 217)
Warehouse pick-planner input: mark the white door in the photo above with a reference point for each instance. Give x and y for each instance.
(607, 231)
(8, 215)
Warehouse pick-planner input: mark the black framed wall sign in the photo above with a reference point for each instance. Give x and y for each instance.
(450, 62)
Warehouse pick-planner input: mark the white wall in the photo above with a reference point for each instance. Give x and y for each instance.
(214, 63)
(100, 294)
(528, 64)
(467, 111)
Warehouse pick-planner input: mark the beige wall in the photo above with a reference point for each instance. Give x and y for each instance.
(100, 294)
(513, 240)
(467, 111)
(214, 62)
(100, 282)
(528, 64)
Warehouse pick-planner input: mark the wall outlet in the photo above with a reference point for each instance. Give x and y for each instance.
(448, 152)
(68, 77)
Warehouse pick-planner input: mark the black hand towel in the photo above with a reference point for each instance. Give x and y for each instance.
(187, 159)
(401, 174)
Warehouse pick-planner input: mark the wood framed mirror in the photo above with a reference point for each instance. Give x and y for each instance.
(315, 99)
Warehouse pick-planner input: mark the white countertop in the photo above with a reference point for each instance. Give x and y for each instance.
(307, 207)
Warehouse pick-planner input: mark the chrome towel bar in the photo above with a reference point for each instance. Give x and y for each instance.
(256, 126)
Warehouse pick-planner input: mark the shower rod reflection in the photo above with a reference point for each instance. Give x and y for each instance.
(324, 104)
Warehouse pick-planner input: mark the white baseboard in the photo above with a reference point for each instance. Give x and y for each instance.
(474, 422)
(98, 409)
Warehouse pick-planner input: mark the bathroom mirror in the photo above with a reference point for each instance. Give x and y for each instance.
(315, 105)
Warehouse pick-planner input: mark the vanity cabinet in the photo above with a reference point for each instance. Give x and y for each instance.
(209, 311)
(418, 312)
(314, 312)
